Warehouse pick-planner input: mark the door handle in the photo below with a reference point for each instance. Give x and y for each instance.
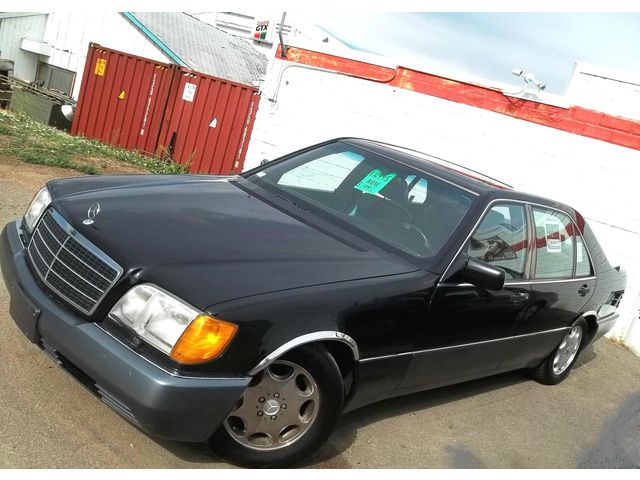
(519, 298)
(583, 290)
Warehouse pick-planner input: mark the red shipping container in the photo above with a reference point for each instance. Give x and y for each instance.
(157, 108)
(208, 123)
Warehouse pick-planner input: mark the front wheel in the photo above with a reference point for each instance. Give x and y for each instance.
(556, 367)
(286, 413)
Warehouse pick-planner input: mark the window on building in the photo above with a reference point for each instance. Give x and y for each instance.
(55, 78)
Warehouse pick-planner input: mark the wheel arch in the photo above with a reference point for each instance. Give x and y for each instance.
(341, 346)
(591, 318)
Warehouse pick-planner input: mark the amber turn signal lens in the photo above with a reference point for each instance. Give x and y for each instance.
(204, 339)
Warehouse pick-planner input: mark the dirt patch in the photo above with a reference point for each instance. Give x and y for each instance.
(103, 165)
(19, 181)
(30, 175)
(11, 168)
(109, 166)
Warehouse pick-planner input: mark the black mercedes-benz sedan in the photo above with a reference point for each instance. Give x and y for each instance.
(250, 311)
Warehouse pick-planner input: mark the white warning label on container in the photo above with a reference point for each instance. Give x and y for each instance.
(189, 92)
(214, 122)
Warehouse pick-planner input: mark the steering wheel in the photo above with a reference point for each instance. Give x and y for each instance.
(376, 203)
(421, 238)
(397, 205)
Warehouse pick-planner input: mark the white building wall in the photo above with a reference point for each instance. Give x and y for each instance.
(69, 33)
(12, 30)
(301, 106)
(605, 90)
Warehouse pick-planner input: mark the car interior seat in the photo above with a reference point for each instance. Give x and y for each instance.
(390, 204)
(440, 216)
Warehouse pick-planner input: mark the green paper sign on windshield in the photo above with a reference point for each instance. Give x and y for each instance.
(374, 181)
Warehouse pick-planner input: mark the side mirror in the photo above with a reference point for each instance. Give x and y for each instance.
(482, 274)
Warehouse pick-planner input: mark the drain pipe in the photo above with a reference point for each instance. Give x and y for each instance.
(283, 47)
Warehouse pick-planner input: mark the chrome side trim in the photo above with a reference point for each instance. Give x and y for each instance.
(524, 202)
(428, 350)
(384, 357)
(303, 339)
(562, 280)
(530, 282)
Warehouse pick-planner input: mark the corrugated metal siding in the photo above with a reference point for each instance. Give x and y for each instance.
(125, 105)
(139, 104)
(12, 31)
(210, 132)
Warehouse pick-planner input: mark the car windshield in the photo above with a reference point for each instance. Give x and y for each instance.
(400, 206)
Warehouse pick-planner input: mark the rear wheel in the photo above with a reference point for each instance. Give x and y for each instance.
(287, 411)
(557, 366)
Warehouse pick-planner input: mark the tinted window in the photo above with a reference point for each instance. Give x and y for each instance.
(400, 206)
(554, 244)
(501, 239)
(325, 173)
(583, 265)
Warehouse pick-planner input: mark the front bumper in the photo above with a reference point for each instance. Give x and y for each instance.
(160, 403)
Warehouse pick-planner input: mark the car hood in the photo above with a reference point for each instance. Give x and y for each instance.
(207, 240)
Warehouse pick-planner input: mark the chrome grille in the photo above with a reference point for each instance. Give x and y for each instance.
(69, 264)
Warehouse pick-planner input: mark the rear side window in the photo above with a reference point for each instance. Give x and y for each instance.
(554, 244)
(583, 264)
(501, 239)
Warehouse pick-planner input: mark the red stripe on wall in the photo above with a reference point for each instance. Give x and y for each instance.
(577, 120)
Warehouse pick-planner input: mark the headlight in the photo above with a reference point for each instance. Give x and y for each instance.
(172, 326)
(37, 206)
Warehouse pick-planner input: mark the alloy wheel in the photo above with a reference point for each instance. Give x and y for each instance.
(567, 350)
(277, 409)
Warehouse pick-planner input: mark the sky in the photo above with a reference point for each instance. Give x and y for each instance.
(491, 45)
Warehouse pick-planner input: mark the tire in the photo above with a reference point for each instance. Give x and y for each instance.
(301, 393)
(557, 366)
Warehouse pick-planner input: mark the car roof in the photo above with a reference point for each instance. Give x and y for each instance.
(431, 164)
(454, 173)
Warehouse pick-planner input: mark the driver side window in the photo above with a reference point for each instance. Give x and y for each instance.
(501, 239)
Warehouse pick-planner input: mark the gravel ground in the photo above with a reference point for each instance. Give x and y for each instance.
(47, 420)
